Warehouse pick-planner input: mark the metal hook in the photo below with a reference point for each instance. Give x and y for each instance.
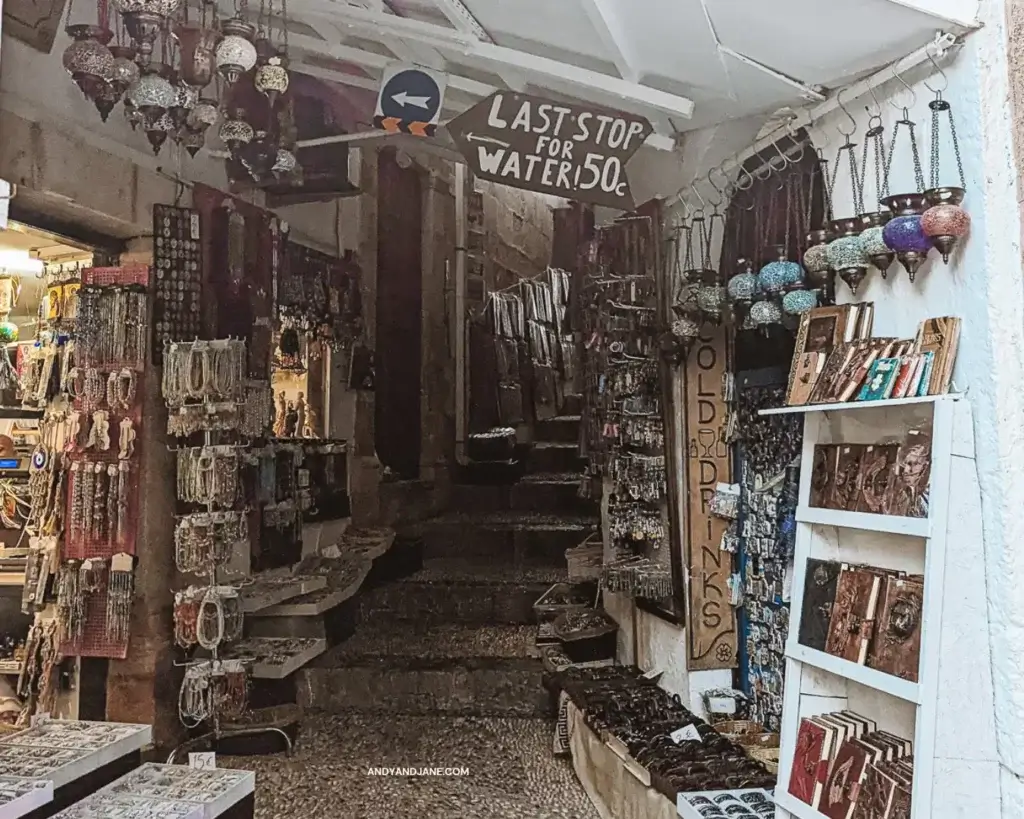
(718, 190)
(875, 112)
(695, 192)
(849, 116)
(945, 80)
(801, 146)
(743, 172)
(903, 109)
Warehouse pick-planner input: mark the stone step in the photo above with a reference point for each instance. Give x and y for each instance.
(455, 670)
(460, 592)
(561, 428)
(541, 492)
(555, 456)
(516, 538)
(572, 404)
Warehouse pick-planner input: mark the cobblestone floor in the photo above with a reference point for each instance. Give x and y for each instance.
(512, 772)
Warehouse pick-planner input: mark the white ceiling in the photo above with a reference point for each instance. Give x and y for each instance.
(728, 58)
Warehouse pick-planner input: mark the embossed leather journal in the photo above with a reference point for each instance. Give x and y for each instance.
(819, 597)
(810, 761)
(896, 648)
(853, 614)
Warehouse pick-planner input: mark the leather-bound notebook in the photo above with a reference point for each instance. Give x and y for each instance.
(810, 761)
(844, 781)
(853, 614)
(823, 474)
(908, 495)
(819, 596)
(874, 800)
(877, 473)
(834, 374)
(896, 647)
(940, 336)
(806, 369)
(846, 486)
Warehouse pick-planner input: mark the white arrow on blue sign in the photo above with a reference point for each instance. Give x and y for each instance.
(411, 94)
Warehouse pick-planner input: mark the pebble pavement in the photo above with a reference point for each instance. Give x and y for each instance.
(512, 772)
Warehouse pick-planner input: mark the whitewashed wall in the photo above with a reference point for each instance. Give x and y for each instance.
(982, 284)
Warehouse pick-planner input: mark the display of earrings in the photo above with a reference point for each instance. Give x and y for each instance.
(637, 577)
(204, 385)
(111, 328)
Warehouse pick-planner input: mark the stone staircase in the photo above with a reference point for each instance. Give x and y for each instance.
(457, 635)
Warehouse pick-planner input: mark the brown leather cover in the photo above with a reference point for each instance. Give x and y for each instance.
(820, 581)
(823, 474)
(896, 648)
(877, 474)
(844, 781)
(909, 493)
(805, 374)
(874, 800)
(853, 614)
(833, 376)
(807, 770)
(846, 486)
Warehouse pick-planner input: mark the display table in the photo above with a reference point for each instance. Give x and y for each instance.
(19, 796)
(614, 790)
(75, 757)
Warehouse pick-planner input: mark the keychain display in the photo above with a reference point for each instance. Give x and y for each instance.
(177, 263)
(110, 330)
(98, 512)
(638, 577)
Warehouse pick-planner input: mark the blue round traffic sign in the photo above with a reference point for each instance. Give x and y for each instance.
(411, 96)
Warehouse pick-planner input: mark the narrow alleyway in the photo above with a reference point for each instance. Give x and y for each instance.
(442, 670)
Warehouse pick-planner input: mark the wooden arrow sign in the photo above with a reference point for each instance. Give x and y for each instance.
(551, 147)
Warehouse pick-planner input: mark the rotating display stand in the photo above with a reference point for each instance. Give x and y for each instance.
(927, 709)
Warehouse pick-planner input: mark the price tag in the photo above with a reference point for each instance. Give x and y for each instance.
(688, 733)
(206, 761)
(653, 674)
(41, 718)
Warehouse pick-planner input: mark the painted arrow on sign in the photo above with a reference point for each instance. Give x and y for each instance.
(557, 148)
(404, 99)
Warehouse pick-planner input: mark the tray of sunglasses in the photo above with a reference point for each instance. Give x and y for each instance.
(20, 796)
(746, 803)
(177, 276)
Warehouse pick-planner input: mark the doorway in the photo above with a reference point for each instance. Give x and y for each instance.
(399, 315)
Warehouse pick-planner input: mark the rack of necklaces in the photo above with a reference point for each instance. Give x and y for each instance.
(624, 393)
(213, 411)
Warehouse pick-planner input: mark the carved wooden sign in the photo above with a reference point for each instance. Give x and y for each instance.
(711, 619)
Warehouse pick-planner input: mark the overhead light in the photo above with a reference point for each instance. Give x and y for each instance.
(18, 262)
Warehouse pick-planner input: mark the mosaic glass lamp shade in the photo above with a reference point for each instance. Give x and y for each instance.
(144, 20)
(904, 233)
(236, 54)
(271, 79)
(945, 222)
(779, 275)
(152, 95)
(764, 313)
(88, 60)
(796, 302)
(846, 253)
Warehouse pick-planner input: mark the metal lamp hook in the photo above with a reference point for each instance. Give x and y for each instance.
(849, 116)
(800, 147)
(904, 109)
(743, 172)
(718, 190)
(945, 80)
(703, 204)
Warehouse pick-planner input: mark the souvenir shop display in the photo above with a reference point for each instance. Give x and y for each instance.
(865, 615)
(216, 788)
(846, 768)
(882, 479)
(178, 277)
(20, 796)
(833, 363)
(586, 634)
(105, 803)
(505, 329)
(748, 803)
(673, 749)
(319, 296)
(549, 341)
(762, 539)
(622, 407)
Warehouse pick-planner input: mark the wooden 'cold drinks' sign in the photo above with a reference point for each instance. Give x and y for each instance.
(711, 618)
(551, 147)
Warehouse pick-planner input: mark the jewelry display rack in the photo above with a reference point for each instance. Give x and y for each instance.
(20, 796)
(214, 791)
(817, 682)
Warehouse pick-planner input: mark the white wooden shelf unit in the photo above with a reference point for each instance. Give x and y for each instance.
(817, 682)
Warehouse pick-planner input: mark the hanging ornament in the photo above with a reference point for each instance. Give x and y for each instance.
(144, 20)
(192, 140)
(945, 222)
(781, 274)
(236, 53)
(89, 61)
(743, 288)
(197, 45)
(904, 234)
(709, 294)
(873, 222)
(8, 332)
(846, 252)
(151, 95)
(816, 267)
(271, 79)
(799, 301)
(236, 132)
(186, 98)
(285, 163)
(765, 313)
(158, 128)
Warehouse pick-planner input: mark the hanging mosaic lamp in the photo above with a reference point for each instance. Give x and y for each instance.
(816, 268)
(258, 155)
(186, 99)
(846, 253)
(945, 222)
(9, 332)
(158, 128)
(796, 302)
(743, 288)
(89, 61)
(710, 295)
(271, 79)
(125, 72)
(192, 140)
(873, 241)
(236, 54)
(235, 131)
(780, 275)
(197, 46)
(144, 20)
(765, 313)
(904, 233)
(151, 95)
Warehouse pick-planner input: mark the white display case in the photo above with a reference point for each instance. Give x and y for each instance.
(950, 707)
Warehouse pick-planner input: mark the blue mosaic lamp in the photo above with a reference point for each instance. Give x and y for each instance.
(875, 248)
(710, 295)
(817, 271)
(743, 288)
(904, 234)
(765, 313)
(796, 302)
(780, 275)
(846, 253)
